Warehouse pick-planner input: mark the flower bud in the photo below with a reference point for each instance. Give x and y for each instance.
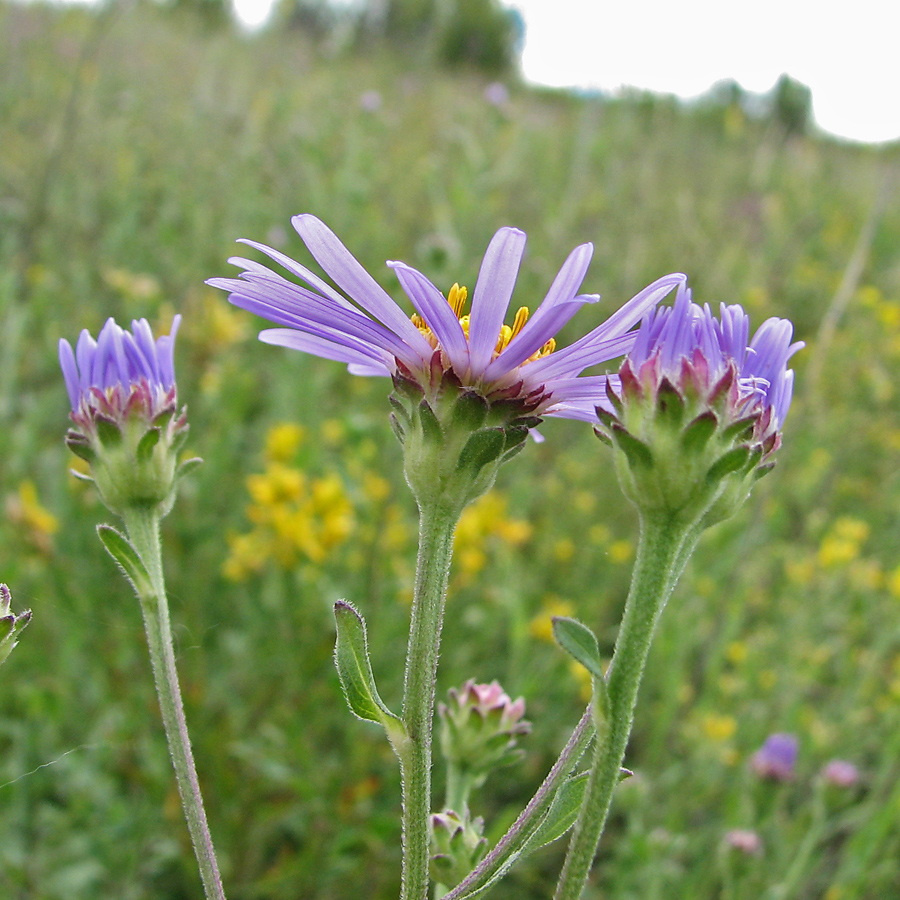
(457, 846)
(697, 412)
(479, 727)
(127, 424)
(10, 623)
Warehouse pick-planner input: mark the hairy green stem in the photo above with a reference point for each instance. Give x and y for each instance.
(437, 523)
(143, 531)
(659, 562)
(459, 787)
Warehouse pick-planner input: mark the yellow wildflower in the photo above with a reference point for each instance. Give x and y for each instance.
(842, 544)
(24, 510)
(718, 728)
(621, 551)
(541, 625)
(282, 441)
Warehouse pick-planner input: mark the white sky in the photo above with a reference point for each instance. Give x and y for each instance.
(848, 54)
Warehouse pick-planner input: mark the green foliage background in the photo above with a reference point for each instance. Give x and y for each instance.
(135, 146)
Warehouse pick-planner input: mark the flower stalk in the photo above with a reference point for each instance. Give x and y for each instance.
(142, 525)
(437, 522)
(657, 567)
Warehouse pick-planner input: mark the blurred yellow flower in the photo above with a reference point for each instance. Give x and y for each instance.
(282, 441)
(800, 571)
(541, 626)
(893, 583)
(333, 431)
(296, 519)
(842, 544)
(37, 524)
(621, 551)
(486, 518)
(133, 286)
(736, 652)
(564, 549)
(583, 679)
(718, 728)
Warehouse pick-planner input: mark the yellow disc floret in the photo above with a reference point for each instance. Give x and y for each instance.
(457, 300)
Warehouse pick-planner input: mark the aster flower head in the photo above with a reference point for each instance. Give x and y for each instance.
(127, 424)
(699, 407)
(468, 387)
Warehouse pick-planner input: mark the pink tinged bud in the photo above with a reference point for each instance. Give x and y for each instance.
(744, 840)
(479, 727)
(840, 773)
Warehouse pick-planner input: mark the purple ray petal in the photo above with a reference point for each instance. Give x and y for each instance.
(493, 291)
(70, 372)
(350, 276)
(286, 304)
(313, 280)
(433, 307)
(320, 346)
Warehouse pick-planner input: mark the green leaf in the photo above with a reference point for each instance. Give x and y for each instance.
(579, 642)
(351, 656)
(638, 453)
(481, 448)
(431, 427)
(188, 466)
(127, 558)
(469, 411)
(698, 432)
(563, 812)
(146, 444)
(727, 464)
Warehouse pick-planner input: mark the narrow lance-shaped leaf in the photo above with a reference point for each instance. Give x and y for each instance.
(121, 550)
(562, 814)
(351, 656)
(579, 642)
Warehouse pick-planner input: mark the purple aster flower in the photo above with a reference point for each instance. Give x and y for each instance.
(442, 344)
(686, 347)
(127, 425)
(697, 402)
(119, 373)
(777, 757)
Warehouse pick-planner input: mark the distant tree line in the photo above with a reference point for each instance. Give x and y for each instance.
(477, 33)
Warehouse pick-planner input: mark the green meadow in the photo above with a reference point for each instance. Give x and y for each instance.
(136, 145)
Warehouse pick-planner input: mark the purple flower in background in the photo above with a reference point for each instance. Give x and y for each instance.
(777, 757)
(442, 343)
